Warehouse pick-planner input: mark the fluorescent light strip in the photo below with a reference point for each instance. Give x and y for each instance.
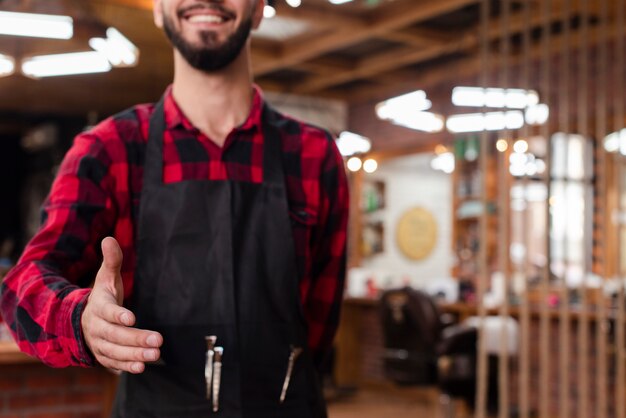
(36, 25)
(116, 48)
(494, 97)
(7, 65)
(65, 64)
(350, 143)
(339, 1)
(420, 121)
(400, 106)
(493, 121)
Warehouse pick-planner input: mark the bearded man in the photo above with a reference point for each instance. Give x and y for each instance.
(212, 231)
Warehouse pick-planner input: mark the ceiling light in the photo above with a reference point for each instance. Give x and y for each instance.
(537, 114)
(421, 121)
(116, 48)
(400, 106)
(520, 146)
(294, 3)
(269, 11)
(339, 1)
(443, 162)
(350, 143)
(408, 111)
(369, 166)
(494, 97)
(494, 121)
(65, 64)
(354, 164)
(7, 65)
(502, 145)
(616, 142)
(36, 25)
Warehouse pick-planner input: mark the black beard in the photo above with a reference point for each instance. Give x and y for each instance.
(209, 57)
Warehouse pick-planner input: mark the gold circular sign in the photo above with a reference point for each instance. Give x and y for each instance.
(417, 233)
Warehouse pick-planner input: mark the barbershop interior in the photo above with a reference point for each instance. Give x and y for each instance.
(484, 142)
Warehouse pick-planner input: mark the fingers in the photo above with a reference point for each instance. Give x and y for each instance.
(114, 314)
(123, 366)
(111, 255)
(125, 354)
(130, 337)
(122, 348)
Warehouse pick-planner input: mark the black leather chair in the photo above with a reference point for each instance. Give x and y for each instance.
(423, 349)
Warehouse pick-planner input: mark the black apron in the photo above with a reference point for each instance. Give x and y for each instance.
(218, 258)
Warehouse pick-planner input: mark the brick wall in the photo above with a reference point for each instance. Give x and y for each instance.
(36, 391)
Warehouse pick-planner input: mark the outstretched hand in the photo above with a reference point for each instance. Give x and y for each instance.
(107, 326)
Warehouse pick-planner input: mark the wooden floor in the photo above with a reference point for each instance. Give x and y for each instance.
(382, 402)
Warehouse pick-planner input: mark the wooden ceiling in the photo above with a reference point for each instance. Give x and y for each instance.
(358, 52)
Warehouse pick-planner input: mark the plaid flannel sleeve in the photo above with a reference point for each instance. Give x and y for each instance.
(329, 255)
(43, 296)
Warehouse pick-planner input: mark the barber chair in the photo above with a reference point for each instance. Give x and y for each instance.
(422, 349)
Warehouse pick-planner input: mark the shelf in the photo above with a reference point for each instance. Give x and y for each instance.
(10, 354)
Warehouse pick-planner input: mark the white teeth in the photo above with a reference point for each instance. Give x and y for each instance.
(206, 19)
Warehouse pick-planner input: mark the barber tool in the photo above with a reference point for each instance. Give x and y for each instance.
(293, 356)
(208, 368)
(217, 376)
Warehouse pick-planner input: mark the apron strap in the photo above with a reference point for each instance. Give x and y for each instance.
(153, 166)
(273, 171)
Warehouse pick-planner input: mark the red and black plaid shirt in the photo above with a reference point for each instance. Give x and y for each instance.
(96, 193)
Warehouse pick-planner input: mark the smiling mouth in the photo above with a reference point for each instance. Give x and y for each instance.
(205, 19)
(202, 13)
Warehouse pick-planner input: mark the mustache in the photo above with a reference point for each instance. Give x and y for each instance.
(206, 6)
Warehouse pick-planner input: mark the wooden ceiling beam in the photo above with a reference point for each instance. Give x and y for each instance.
(417, 37)
(401, 57)
(467, 68)
(325, 66)
(319, 17)
(398, 15)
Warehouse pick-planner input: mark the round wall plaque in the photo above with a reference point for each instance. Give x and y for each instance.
(417, 233)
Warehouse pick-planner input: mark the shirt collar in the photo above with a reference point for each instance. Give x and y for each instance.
(174, 116)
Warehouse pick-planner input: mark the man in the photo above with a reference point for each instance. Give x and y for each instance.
(231, 224)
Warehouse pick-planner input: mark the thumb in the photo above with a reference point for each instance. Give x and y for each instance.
(111, 255)
(110, 271)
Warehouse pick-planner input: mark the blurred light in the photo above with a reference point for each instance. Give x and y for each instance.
(7, 65)
(404, 106)
(537, 114)
(440, 149)
(541, 166)
(616, 142)
(494, 121)
(36, 25)
(350, 143)
(520, 146)
(269, 11)
(294, 3)
(354, 164)
(494, 97)
(369, 166)
(339, 1)
(443, 162)
(65, 64)
(116, 48)
(518, 159)
(502, 145)
(408, 110)
(421, 121)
